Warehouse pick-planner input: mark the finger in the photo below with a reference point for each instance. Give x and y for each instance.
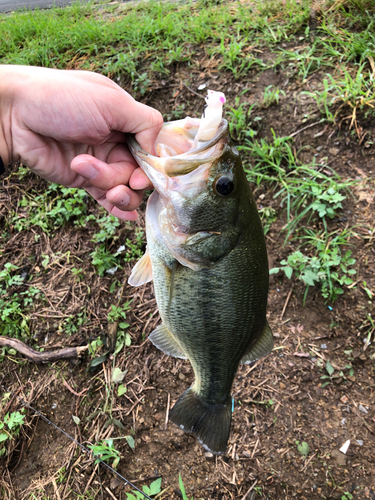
(139, 180)
(103, 175)
(124, 198)
(124, 214)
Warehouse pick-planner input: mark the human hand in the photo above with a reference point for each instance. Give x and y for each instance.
(68, 127)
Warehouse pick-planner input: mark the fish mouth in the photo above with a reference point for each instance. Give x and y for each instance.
(177, 153)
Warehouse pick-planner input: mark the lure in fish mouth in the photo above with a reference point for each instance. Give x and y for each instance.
(207, 257)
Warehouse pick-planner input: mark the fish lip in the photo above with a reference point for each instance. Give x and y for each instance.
(136, 149)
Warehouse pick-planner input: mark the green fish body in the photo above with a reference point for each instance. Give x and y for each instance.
(207, 257)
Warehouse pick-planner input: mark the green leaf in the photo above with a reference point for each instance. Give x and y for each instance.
(118, 424)
(130, 441)
(121, 390)
(303, 448)
(329, 368)
(3, 437)
(274, 270)
(155, 487)
(118, 375)
(76, 420)
(288, 271)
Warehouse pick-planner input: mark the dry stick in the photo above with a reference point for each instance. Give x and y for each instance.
(304, 128)
(307, 463)
(56, 489)
(91, 478)
(110, 493)
(193, 91)
(167, 414)
(249, 490)
(42, 357)
(286, 302)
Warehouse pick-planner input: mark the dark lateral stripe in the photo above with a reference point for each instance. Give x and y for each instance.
(2, 166)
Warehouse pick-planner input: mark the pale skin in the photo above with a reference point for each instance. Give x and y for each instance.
(68, 127)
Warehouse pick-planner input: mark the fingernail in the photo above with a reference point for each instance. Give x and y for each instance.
(124, 200)
(87, 170)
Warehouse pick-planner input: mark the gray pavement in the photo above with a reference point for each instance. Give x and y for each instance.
(11, 5)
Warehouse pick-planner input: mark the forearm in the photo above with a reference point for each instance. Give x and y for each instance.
(6, 153)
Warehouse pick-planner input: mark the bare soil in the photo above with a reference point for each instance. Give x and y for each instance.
(279, 402)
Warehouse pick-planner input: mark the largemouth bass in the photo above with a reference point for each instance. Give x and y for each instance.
(207, 256)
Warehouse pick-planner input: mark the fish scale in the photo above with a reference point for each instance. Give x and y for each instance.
(207, 257)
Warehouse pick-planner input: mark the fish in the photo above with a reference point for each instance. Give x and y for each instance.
(207, 257)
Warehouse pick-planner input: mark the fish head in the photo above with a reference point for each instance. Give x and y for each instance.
(201, 191)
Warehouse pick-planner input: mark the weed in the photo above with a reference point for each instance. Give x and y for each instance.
(9, 428)
(267, 215)
(182, 488)
(51, 210)
(347, 496)
(153, 489)
(118, 315)
(105, 451)
(239, 120)
(329, 267)
(303, 448)
(356, 92)
(271, 96)
(74, 322)
(108, 225)
(103, 260)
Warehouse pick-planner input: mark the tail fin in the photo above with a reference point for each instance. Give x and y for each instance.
(209, 422)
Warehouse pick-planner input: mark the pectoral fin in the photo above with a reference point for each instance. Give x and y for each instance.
(162, 338)
(262, 346)
(142, 271)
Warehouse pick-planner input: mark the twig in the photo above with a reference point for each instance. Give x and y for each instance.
(254, 449)
(249, 490)
(110, 493)
(91, 478)
(42, 357)
(193, 91)
(56, 489)
(167, 414)
(286, 302)
(307, 463)
(305, 128)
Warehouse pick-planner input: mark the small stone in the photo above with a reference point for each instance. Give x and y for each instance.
(246, 454)
(359, 441)
(208, 455)
(344, 399)
(323, 346)
(334, 151)
(362, 409)
(338, 457)
(282, 386)
(181, 376)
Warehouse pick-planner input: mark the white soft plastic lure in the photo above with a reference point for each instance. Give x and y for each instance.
(211, 117)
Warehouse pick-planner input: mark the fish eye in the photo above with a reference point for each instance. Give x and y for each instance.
(223, 185)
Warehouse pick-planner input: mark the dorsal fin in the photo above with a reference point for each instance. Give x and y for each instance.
(142, 271)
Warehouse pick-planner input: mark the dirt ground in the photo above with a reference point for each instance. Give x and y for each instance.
(280, 402)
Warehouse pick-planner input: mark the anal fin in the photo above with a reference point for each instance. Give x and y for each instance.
(142, 271)
(261, 348)
(162, 338)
